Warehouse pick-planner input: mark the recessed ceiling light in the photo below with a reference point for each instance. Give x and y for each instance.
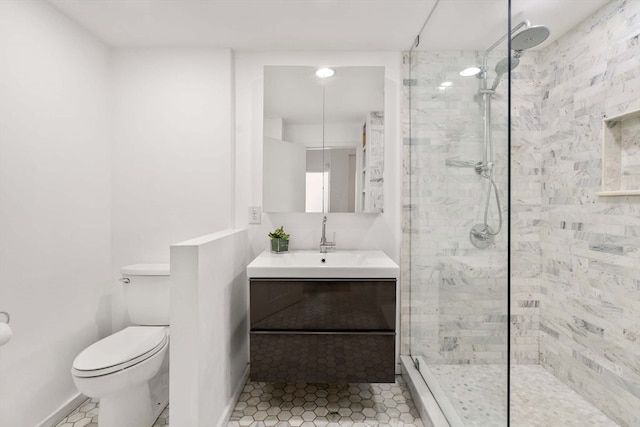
(471, 71)
(446, 84)
(325, 72)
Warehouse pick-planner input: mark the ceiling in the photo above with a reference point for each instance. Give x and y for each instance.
(294, 94)
(313, 25)
(318, 25)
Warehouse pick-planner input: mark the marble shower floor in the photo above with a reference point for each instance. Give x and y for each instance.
(538, 399)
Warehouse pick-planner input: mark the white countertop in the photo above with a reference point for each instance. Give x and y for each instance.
(313, 264)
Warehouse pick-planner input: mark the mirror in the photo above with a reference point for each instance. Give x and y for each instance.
(323, 140)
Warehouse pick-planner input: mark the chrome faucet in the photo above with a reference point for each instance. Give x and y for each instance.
(324, 244)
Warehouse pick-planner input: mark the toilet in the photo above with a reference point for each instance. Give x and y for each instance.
(128, 371)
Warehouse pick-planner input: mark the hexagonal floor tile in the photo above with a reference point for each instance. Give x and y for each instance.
(329, 405)
(299, 405)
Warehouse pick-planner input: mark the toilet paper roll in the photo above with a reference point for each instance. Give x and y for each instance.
(5, 333)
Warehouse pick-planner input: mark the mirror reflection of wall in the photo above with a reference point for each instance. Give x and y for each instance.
(317, 179)
(323, 140)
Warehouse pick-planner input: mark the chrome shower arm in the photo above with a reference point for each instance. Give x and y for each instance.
(503, 38)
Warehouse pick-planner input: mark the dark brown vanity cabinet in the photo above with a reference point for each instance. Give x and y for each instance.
(323, 330)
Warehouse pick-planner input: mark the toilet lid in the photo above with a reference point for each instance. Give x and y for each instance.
(129, 346)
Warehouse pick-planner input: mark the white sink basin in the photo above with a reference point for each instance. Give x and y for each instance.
(313, 264)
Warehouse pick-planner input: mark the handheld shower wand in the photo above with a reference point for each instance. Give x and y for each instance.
(482, 235)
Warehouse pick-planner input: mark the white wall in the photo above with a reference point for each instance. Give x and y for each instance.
(285, 167)
(273, 128)
(335, 134)
(107, 157)
(353, 231)
(55, 227)
(172, 151)
(210, 329)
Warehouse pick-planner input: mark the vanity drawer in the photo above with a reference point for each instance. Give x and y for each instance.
(323, 305)
(322, 358)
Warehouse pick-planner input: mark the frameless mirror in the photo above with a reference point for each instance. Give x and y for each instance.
(323, 140)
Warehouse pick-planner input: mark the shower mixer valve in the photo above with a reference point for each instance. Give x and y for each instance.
(482, 167)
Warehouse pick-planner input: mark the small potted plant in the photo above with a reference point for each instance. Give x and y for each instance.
(279, 240)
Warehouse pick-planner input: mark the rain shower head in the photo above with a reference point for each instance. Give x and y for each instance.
(530, 37)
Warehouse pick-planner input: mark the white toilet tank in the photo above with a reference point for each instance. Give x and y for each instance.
(147, 293)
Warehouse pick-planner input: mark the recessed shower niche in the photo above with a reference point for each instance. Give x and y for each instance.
(621, 155)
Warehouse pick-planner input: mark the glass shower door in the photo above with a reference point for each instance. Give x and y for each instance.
(455, 229)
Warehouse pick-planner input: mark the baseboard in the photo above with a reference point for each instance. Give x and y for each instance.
(62, 411)
(423, 399)
(231, 404)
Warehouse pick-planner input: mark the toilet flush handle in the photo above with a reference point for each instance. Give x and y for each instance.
(125, 280)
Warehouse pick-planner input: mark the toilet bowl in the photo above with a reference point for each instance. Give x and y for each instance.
(117, 370)
(129, 371)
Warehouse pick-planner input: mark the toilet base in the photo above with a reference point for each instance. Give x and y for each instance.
(129, 408)
(159, 389)
(139, 405)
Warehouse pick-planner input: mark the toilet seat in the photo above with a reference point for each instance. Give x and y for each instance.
(120, 351)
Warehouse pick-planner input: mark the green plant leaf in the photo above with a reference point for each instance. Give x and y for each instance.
(279, 234)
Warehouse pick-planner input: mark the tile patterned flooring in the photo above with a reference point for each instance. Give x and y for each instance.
(86, 415)
(306, 405)
(538, 400)
(302, 405)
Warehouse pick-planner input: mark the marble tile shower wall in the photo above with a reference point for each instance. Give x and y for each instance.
(375, 150)
(590, 257)
(525, 215)
(575, 280)
(458, 310)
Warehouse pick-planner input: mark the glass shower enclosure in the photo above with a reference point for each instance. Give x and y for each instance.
(524, 312)
(455, 226)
